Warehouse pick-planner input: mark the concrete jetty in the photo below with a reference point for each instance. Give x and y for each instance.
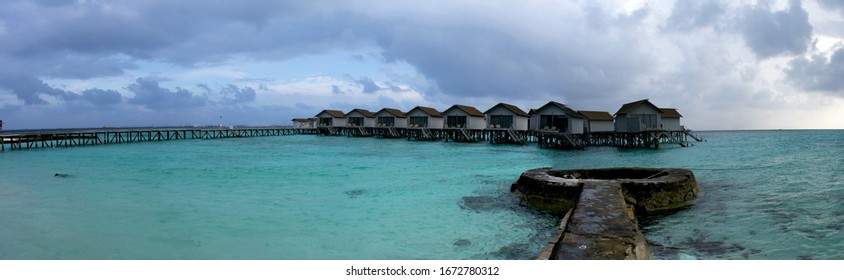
(601, 207)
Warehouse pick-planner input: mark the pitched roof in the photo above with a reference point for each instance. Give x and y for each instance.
(365, 113)
(565, 108)
(596, 115)
(472, 111)
(395, 112)
(512, 108)
(428, 110)
(626, 108)
(333, 113)
(670, 113)
(532, 112)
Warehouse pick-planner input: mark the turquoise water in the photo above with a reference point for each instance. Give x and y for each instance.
(767, 195)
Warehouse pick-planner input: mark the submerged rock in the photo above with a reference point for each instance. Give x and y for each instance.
(462, 242)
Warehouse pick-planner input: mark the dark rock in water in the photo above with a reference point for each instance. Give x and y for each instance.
(515, 251)
(61, 175)
(355, 193)
(462, 242)
(804, 257)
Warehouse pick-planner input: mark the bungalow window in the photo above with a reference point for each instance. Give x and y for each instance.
(456, 121)
(554, 122)
(325, 121)
(356, 121)
(418, 121)
(502, 121)
(649, 121)
(386, 121)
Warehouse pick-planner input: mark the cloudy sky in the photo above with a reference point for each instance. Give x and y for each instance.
(723, 64)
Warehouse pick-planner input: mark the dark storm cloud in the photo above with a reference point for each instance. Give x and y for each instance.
(102, 97)
(29, 89)
(689, 15)
(151, 95)
(368, 85)
(774, 33)
(234, 95)
(819, 73)
(833, 4)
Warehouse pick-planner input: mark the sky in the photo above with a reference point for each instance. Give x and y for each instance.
(722, 64)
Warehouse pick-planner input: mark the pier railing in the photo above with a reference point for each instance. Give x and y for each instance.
(70, 138)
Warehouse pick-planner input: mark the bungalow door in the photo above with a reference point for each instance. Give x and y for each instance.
(562, 123)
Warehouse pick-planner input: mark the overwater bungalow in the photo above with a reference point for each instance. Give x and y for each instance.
(557, 117)
(424, 117)
(462, 116)
(671, 119)
(360, 118)
(304, 122)
(597, 121)
(508, 116)
(638, 116)
(331, 118)
(389, 117)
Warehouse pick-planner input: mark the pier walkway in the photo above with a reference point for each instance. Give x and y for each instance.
(70, 138)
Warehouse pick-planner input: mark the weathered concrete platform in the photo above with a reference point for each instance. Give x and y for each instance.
(602, 206)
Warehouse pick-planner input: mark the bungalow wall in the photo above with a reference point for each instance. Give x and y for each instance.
(367, 121)
(433, 122)
(324, 118)
(573, 124)
(671, 124)
(518, 122)
(640, 119)
(397, 122)
(472, 122)
(600, 126)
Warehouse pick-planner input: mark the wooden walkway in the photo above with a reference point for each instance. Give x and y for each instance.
(71, 138)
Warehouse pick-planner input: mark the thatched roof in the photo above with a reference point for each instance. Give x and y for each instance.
(395, 112)
(565, 108)
(596, 115)
(512, 108)
(333, 113)
(626, 108)
(428, 110)
(365, 113)
(670, 113)
(472, 111)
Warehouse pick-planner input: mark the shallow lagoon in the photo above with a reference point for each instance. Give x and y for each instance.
(767, 195)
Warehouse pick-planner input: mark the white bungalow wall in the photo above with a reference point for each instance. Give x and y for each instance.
(671, 124)
(630, 122)
(519, 122)
(472, 122)
(433, 122)
(334, 122)
(600, 126)
(397, 122)
(367, 122)
(575, 124)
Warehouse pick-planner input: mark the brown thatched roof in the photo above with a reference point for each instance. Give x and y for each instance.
(428, 110)
(596, 115)
(626, 108)
(565, 108)
(472, 111)
(512, 108)
(333, 113)
(366, 113)
(395, 112)
(670, 113)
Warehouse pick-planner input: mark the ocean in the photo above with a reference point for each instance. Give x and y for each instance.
(765, 195)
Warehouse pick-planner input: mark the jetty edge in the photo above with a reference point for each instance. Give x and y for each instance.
(601, 207)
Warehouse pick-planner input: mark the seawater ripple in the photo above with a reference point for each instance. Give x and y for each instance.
(766, 195)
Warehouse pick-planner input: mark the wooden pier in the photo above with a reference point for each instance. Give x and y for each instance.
(544, 139)
(72, 138)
